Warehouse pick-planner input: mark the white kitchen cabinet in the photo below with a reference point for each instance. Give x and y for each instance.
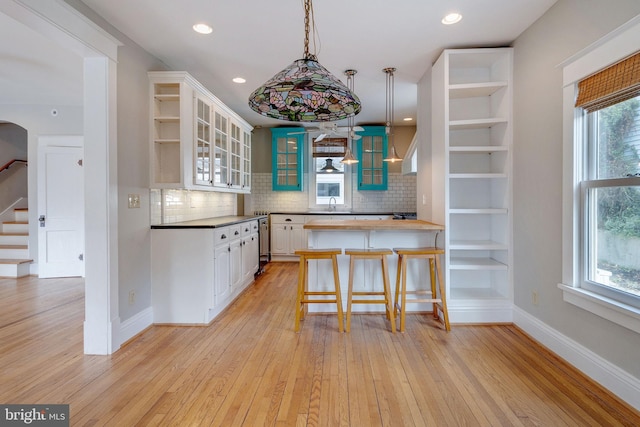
(228, 246)
(287, 235)
(472, 136)
(197, 272)
(196, 141)
(182, 276)
(250, 251)
(222, 273)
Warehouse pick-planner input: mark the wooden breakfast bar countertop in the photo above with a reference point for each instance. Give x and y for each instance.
(381, 224)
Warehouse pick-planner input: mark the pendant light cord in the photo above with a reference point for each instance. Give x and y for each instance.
(390, 101)
(308, 12)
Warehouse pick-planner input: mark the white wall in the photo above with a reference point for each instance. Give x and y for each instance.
(565, 29)
(37, 120)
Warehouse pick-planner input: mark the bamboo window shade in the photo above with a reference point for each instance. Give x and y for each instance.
(330, 147)
(614, 84)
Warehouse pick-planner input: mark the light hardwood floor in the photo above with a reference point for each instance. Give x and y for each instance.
(249, 368)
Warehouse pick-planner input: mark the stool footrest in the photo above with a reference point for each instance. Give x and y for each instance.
(318, 293)
(430, 300)
(306, 301)
(368, 301)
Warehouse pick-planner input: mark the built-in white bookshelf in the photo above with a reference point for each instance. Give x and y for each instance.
(471, 160)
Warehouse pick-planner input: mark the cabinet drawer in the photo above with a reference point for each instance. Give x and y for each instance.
(226, 234)
(247, 228)
(287, 219)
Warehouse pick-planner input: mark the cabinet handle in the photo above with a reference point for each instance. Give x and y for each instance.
(236, 233)
(288, 219)
(224, 236)
(229, 249)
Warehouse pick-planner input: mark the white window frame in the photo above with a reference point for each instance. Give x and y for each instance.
(617, 45)
(312, 183)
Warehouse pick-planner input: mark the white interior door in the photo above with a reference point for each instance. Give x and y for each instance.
(60, 207)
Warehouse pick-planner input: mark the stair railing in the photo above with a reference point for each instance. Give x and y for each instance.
(9, 164)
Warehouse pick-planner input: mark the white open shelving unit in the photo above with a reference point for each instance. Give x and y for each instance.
(471, 158)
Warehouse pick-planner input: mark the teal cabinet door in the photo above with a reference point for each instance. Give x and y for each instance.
(372, 149)
(287, 154)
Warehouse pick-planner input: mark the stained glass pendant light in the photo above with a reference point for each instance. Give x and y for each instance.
(349, 158)
(305, 91)
(393, 155)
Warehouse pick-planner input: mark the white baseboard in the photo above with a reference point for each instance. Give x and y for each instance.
(134, 325)
(614, 379)
(477, 315)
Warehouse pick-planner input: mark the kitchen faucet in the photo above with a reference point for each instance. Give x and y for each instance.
(332, 208)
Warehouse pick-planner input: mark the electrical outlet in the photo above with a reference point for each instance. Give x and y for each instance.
(134, 201)
(534, 297)
(132, 297)
(424, 199)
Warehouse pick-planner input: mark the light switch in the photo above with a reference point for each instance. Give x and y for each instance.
(134, 201)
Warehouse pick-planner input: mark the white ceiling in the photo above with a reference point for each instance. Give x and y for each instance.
(35, 70)
(256, 38)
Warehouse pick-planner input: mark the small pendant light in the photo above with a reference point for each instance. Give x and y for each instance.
(328, 166)
(305, 91)
(393, 155)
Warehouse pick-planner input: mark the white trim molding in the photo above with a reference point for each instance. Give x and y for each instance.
(600, 370)
(613, 47)
(615, 311)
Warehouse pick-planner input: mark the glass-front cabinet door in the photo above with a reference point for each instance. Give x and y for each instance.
(246, 159)
(287, 151)
(203, 143)
(235, 154)
(372, 149)
(221, 150)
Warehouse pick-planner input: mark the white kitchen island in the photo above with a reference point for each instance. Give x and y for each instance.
(362, 234)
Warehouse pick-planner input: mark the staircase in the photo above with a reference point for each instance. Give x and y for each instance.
(14, 246)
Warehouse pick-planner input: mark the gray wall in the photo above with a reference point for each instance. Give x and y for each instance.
(134, 233)
(568, 27)
(13, 181)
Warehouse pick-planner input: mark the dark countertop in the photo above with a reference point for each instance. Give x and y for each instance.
(210, 222)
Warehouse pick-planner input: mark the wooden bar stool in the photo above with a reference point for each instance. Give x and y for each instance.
(364, 254)
(303, 282)
(433, 255)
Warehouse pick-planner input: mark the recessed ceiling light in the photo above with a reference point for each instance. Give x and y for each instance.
(239, 80)
(408, 119)
(202, 28)
(452, 18)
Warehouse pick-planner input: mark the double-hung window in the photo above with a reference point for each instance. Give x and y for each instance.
(329, 177)
(601, 220)
(610, 201)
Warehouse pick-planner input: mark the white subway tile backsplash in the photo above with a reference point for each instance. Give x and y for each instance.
(401, 196)
(170, 206)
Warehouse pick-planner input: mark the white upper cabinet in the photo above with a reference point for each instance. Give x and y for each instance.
(472, 188)
(196, 141)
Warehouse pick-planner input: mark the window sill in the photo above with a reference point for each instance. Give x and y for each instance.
(614, 311)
